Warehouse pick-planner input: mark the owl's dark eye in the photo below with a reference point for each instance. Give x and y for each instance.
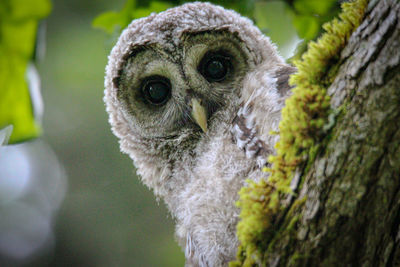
(156, 90)
(215, 67)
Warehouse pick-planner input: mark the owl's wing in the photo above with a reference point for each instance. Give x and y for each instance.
(263, 96)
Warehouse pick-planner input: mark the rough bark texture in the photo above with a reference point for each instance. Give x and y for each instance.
(350, 194)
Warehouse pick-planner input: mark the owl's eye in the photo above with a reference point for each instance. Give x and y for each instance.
(215, 67)
(156, 90)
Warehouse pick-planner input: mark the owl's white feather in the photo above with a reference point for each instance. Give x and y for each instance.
(198, 174)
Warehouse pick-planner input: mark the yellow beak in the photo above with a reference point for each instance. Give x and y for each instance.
(199, 114)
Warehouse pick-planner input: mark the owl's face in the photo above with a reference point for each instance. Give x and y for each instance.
(167, 90)
(176, 79)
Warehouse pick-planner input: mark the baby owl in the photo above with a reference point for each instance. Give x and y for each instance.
(193, 94)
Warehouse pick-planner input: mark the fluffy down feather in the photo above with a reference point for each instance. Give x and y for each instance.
(199, 174)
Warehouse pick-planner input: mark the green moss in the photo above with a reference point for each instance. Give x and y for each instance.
(256, 209)
(301, 130)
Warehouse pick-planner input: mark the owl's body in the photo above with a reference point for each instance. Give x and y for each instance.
(193, 93)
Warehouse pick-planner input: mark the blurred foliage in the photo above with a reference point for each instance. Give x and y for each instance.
(115, 22)
(272, 17)
(18, 28)
(108, 217)
(307, 16)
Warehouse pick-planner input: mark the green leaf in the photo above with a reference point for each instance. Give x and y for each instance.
(28, 9)
(154, 6)
(307, 27)
(107, 21)
(273, 18)
(18, 27)
(309, 15)
(314, 7)
(112, 21)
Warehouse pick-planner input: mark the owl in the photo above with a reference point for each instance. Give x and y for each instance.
(192, 94)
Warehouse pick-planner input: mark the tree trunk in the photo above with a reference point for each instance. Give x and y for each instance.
(351, 192)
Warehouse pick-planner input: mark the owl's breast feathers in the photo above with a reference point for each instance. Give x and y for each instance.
(246, 131)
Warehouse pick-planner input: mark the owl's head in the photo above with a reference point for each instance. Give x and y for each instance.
(178, 74)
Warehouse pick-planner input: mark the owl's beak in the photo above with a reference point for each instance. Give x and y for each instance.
(199, 114)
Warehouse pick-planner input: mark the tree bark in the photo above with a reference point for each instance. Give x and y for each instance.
(351, 192)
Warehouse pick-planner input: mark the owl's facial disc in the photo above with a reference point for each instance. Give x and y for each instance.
(165, 93)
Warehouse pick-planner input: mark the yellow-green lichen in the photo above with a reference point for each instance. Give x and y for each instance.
(301, 128)
(255, 208)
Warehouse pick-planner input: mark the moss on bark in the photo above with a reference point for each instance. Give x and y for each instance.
(305, 122)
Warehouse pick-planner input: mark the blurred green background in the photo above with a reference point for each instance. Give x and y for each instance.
(70, 198)
(108, 218)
